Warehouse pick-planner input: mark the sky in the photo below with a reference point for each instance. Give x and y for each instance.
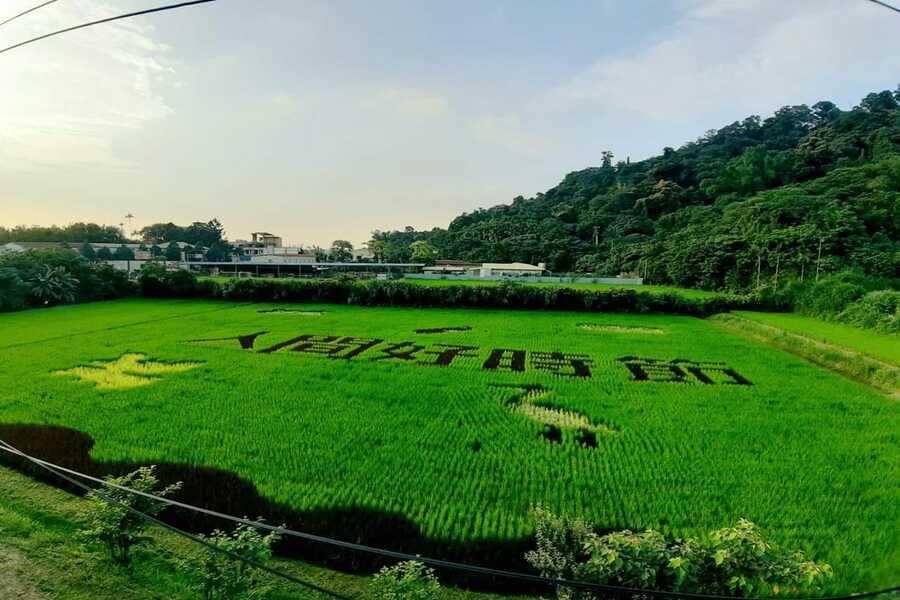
(323, 120)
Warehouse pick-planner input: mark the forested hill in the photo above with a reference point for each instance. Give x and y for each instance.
(753, 201)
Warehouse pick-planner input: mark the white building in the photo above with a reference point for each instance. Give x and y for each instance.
(363, 254)
(265, 239)
(486, 270)
(281, 255)
(508, 270)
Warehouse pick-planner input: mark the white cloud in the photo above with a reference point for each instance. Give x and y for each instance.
(65, 98)
(743, 57)
(407, 102)
(507, 132)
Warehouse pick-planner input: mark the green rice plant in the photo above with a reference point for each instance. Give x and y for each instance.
(351, 424)
(127, 371)
(840, 358)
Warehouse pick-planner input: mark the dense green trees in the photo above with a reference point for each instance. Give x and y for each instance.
(758, 202)
(87, 251)
(74, 233)
(56, 276)
(196, 234)
(123, 253)
(341, 251)
(173, 251)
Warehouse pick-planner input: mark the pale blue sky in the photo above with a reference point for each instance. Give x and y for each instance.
(321, 120)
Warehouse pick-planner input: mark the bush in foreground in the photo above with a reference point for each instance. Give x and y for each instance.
(112, 524)
(409, 580)
(735, 561)
(220, 577)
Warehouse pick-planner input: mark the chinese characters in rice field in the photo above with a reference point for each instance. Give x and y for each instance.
(515, 360)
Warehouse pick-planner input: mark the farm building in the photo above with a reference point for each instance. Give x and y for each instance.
(485, 270)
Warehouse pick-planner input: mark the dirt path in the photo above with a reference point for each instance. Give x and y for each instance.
(882, 376)
(13, 582)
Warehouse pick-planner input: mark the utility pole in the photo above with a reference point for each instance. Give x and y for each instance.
(129, 217)
(596, 235)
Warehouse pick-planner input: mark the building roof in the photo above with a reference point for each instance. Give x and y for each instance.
(456, 263)
(34, 245)
(449, 268)
(516, 266)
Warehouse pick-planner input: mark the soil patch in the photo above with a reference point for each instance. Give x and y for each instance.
(443, 329)
(620, 329)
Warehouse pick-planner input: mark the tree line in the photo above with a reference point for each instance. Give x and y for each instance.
(74, 233)
(807, 191)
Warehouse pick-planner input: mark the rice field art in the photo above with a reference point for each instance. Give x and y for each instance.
(435, 431)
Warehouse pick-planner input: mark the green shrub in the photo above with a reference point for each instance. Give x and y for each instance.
(53, 285)
(738, 561)
(13, 291)
(876, 310)
(99, 281)
(401, 293)
(832, 294)
(58, 275)
(561, 547)
(409, 580)
(112, 524)
(156, 281)
(735, 561)
(221, 577)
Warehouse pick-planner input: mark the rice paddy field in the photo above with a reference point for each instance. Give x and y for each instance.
(882, 346)
(451, 424)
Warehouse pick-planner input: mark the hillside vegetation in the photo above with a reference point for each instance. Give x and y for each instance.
(811, 189)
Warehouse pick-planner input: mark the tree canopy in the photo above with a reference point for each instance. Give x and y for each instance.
(809, 189)
(74, 233)
(195, 234)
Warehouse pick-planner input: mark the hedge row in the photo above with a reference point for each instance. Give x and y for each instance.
(400, 293)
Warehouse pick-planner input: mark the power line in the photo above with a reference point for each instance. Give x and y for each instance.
(4, 446)
(106, 20)
(151, 519)
(886, 5)
(23, 13)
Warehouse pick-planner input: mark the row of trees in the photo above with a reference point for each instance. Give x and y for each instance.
(55, 276)
(403, 246)
(383, 250)
(74, 233)
(161, 239)
(172, 251)
(208, 236)
(811, 189)
(199, 233)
